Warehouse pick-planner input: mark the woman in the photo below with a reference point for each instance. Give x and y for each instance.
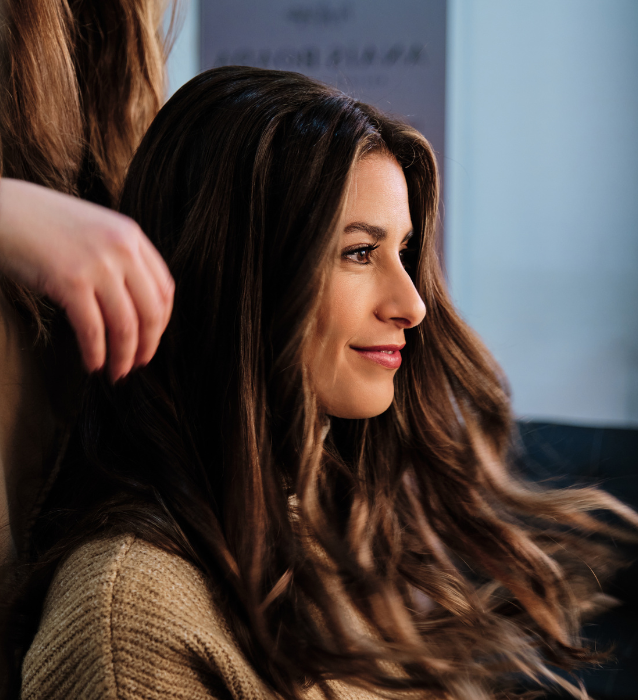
(306, 491)
(81, 81)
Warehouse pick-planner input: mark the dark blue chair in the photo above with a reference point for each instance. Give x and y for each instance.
(608, 457)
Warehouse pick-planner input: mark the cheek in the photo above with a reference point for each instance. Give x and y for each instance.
(347, 387)
(339, 320)
(342, 314)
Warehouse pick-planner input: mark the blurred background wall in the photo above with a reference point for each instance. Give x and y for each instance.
(540, 154)
(183, 60)
(541, 215)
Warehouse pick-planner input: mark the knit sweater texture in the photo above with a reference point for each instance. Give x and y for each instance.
(125, 620)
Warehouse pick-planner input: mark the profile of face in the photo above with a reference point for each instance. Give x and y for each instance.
(370, 298)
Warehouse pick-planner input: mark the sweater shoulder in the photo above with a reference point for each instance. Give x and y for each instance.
(125, 619)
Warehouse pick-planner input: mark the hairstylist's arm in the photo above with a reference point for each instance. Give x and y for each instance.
(93, 262)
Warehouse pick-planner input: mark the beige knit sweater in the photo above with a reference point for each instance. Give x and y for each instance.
(126, 620)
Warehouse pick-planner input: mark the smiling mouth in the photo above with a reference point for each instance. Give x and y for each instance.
(388, 356)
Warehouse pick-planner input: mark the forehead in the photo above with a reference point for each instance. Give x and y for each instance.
(378, 194)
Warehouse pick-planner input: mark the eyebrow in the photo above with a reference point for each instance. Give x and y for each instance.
(377, 232)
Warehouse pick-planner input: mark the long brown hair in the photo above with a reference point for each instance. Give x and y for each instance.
(462, 574)
(81, 81)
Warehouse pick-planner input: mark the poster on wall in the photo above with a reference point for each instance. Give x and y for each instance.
(390, 53)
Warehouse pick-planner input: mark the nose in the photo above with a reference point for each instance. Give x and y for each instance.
(399, 302)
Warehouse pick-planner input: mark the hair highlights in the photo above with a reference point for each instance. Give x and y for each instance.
(392, 553)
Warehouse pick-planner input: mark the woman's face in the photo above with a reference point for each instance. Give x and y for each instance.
(370, 299)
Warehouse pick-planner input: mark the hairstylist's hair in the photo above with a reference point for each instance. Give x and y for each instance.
(79, 79)
(463, 574)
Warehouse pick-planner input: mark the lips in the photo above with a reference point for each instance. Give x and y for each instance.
(388, 356)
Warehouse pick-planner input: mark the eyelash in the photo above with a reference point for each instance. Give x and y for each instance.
(369, 249)
(360, 249)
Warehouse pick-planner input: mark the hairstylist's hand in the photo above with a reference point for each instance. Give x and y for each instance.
(95, 263)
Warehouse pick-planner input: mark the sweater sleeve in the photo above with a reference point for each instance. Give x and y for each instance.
(126, 621)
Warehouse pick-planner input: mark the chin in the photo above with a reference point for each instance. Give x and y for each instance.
(360, 406)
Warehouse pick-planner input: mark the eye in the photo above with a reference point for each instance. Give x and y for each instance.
(360, 255)
(407, 257)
